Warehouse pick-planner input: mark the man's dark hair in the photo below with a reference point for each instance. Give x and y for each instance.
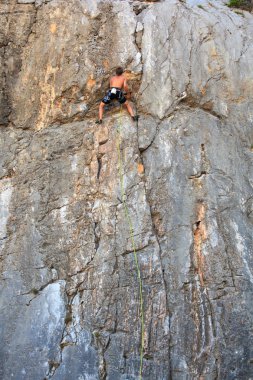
(119, 71)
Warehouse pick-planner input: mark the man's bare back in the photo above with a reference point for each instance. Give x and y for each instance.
(118, 81)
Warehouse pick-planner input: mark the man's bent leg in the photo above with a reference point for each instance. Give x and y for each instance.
(129, 108)
(101, 110)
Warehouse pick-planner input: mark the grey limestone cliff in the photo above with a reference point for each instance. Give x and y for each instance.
(69, 294)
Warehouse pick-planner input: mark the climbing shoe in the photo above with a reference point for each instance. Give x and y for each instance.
(135, 118)
(99, 121)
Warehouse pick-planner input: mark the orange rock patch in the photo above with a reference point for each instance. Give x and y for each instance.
(90, 84)
(53, 28)
(200, 235)
(140, 168)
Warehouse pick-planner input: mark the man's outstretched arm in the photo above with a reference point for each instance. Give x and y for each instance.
(125, 86)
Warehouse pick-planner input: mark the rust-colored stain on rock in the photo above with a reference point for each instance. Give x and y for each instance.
(203, 90)
(200, 236)
(132, 76)
(213, 52)
(53, 28)
(90, 84)
(140, 168)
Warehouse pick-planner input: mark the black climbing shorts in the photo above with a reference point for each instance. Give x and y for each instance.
(114, 93)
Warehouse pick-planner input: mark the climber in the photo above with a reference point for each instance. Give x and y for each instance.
(118, 84)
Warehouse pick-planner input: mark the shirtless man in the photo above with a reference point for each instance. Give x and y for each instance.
(118, 84)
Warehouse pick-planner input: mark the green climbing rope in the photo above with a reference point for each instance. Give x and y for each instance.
(131, 230)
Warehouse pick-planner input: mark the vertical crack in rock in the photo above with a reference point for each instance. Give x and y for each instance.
(223, 229)
(68, 338)
(202, 309)
(188, 85)
(138, 7)
(204, 166)
(96, 235)
(200, 235)
(142, 150)
(155, 232)
(101, 342)
(99, 159)
(204, 332)
(32, 25)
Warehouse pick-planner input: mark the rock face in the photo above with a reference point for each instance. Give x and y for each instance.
(70, 302)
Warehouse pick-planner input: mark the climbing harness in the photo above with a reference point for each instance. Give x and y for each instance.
(131, 231)
(114, 93)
